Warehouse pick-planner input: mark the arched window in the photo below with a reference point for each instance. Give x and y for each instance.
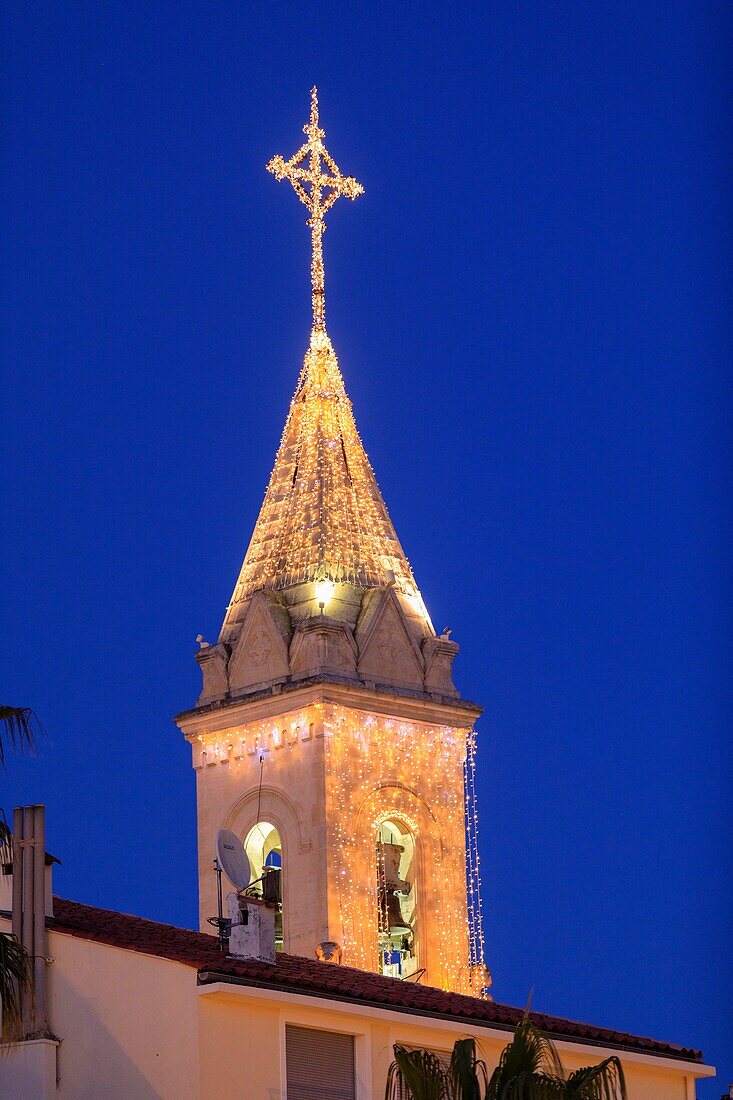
(397, 899)
(264, 851)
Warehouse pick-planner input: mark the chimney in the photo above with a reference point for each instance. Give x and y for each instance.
(30, 906)
(252, 930)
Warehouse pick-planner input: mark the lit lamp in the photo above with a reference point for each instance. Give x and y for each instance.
(324, 592)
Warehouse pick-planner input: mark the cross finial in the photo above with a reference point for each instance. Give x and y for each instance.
(317, 182)
(311, 128)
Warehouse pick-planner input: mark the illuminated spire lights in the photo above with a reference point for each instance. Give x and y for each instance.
(318, 183)
(323, 516)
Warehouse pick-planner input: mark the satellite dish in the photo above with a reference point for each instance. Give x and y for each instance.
(233, 858)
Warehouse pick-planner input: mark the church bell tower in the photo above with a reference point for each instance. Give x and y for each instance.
(329, 735)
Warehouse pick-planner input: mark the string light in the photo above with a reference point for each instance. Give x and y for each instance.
(318, 191)
(323, 521)
(480, 974)
(323, 516)
(374, 765)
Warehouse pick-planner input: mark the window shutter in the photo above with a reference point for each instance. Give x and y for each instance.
(319, 1064)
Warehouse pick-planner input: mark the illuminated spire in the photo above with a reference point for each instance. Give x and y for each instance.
(318, 191)
(323, 516)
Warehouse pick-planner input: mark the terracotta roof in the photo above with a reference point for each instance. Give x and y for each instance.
(296, 974)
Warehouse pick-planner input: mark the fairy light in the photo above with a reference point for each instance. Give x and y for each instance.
(323, 515)
(480, 974)
(323, 522)
(372, 764)
(404, 755)
(318, 186)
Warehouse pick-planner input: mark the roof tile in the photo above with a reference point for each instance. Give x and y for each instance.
(297, 974)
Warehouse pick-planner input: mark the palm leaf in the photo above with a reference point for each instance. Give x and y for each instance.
(467, 1072)
(529, 1069)
(602, 1082)
(20, 726)
(532, 1061)
(417, 1075)
(16, 983)
(534, 1086)
(6, 839)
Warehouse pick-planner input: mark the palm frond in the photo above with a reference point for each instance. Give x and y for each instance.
(20, 726)
(529, 1069)
(529, 1055)
(16, 984)
(534, 1086)
(417, 1075)
(467, 1071)
(602, 1082)
(6, 839)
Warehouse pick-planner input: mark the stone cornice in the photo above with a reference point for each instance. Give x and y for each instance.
(225, 713)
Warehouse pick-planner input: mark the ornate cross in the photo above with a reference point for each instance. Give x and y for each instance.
(317, 186)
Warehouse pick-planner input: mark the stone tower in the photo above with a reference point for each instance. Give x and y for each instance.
(329, 735)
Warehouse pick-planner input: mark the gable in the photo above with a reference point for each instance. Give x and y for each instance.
(260, 654)
(387, 652)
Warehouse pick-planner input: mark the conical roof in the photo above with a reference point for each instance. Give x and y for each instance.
(323, 516)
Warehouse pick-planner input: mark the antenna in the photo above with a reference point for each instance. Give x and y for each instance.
(233, 859)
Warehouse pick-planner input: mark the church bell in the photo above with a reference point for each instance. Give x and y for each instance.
(391, 888)
(271, 886)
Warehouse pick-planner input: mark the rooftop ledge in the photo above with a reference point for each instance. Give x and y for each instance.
(213, 983)
(294, 976)
(330, 688)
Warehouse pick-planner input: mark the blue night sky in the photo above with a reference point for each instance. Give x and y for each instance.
(530, 307)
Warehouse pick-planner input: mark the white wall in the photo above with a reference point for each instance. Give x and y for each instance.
(128, 1025)
(135, 1027)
